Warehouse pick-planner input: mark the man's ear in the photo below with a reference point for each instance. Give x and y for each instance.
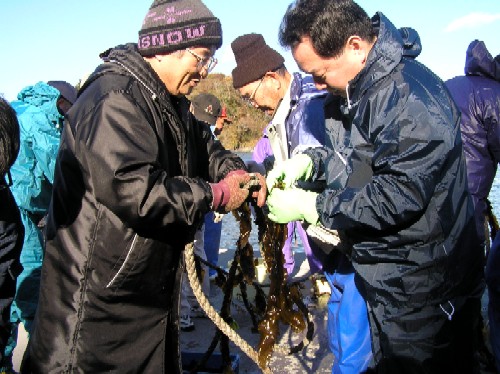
(358, 48)
(275, 76)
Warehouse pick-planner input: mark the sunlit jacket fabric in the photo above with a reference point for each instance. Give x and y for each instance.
(32, 178)
(397, 182)
(477, 95)
(130, 191)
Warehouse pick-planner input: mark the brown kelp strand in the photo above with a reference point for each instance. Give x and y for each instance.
(244, 248)
(280, 300)
(280, 304)
(241, 267)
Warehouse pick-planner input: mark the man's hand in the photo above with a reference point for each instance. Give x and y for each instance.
(298, 167)
(260, 193)
(292, 204)
(230, 192)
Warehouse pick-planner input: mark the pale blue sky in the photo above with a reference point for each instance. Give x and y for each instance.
(61, 39)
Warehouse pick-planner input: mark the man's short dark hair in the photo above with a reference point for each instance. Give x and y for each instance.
(329, 24)
(9, 136)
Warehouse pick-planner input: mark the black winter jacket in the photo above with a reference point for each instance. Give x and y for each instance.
(130, 191)
(397, 182)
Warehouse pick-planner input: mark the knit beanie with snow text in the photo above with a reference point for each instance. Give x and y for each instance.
(172, 25)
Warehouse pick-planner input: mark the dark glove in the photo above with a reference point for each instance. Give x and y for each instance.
(230, 192)
(260, 193)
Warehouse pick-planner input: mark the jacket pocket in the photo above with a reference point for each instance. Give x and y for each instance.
(127, 265)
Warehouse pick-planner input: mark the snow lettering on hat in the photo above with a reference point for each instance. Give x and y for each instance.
(171, 37)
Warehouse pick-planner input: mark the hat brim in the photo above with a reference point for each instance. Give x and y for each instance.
(205, 117)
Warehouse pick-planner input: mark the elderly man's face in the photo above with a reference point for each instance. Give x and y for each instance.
(262, 93)
(181, 71)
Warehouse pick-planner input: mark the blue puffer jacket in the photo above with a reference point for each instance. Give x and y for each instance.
(477, 95)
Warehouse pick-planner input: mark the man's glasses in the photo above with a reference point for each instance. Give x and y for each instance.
(204, 63)
(251, 99)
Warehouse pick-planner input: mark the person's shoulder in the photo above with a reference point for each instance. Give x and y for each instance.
(304, 89)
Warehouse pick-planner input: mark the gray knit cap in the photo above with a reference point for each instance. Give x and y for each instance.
(172, 25)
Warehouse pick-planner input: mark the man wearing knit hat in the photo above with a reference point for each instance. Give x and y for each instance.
(264, 82)
(298, 123)
(135, 176)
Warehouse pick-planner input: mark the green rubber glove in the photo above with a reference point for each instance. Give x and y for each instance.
(292, 204)
(298, 167)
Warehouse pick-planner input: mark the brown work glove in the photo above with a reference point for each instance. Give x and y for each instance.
(230, 192)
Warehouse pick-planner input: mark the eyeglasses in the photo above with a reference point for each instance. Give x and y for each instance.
(251, 99)
(204, 63)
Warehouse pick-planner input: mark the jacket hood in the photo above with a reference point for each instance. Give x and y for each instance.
(391, 46)
(411, 42)
(127, 56)
(478, 61)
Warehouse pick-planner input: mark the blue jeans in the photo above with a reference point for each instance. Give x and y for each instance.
(212, 240)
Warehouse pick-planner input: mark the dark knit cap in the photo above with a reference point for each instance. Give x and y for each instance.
(172, 25)
(67, 90)
(254, 58)
(206, 107)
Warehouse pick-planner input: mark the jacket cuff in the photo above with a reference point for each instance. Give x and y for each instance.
(220, 195)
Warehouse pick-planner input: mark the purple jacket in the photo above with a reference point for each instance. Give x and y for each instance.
(477, 95)
(305, 123)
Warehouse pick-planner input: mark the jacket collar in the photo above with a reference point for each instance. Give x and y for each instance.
(128, 57)
(383, 58)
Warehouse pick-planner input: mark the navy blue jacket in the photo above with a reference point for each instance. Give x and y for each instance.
(397, 183)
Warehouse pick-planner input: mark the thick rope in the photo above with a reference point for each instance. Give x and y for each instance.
(212, 313)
